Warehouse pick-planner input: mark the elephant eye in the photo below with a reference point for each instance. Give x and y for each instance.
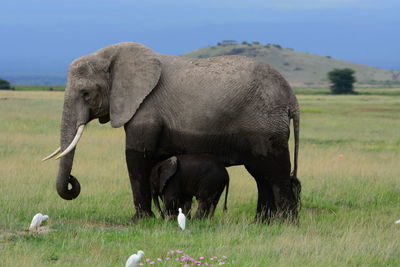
(85, 94)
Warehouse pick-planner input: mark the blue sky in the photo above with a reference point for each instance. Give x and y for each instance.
(44, 36)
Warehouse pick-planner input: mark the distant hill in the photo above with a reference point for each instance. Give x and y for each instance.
(300, 69)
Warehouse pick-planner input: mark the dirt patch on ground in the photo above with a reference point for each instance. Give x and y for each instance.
(8, 235)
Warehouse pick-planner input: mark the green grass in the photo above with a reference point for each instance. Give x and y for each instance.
(349, 168)
(390, 91)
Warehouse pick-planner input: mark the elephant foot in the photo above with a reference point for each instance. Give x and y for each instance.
(201, 216)
(258, 219)
(141, 215)
(277, 217)
(264, 216)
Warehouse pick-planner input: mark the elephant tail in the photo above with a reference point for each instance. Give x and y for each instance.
(296, 128)
(226, 196)
(296, 185)
(295, 115)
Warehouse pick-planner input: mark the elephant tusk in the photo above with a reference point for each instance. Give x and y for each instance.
(73, 143)
(52, 154)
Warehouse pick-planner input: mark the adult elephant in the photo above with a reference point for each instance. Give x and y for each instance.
(235, 108)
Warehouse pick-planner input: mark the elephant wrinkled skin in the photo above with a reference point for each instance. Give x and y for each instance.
(232, 107)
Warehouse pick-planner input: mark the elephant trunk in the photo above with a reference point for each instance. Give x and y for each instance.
(64, 177)
(157, 204)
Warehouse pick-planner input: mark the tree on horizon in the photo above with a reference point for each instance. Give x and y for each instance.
(342, 81)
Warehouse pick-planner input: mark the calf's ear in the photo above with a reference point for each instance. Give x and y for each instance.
(167, 169)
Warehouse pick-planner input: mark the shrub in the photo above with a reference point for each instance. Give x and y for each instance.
(341, 81)
(5, 85)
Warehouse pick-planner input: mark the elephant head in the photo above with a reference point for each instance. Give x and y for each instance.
(159, 177)
(110, 85)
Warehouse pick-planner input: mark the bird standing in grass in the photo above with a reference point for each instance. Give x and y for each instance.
(397, 222)
(181, 219)
(134, 259)
(37, 221)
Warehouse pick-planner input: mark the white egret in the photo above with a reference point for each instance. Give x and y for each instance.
(37, 221)
(181, 219)
(134, 259)
(397, 222)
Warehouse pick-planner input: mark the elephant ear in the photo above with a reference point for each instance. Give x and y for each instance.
(135, 71)
(167, 169)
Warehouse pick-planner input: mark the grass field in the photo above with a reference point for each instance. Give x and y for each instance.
(39, 88)
(349, 167)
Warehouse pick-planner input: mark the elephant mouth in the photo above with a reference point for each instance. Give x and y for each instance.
(71, 146)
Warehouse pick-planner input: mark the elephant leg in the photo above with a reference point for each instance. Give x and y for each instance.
(212, 208)
(139, 168)
(187, 208)
(276, 196)
(266, 208)
(203, 209)
(171, 208)
(283, 187)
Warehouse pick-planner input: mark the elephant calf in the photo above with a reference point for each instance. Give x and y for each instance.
(177, 179)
